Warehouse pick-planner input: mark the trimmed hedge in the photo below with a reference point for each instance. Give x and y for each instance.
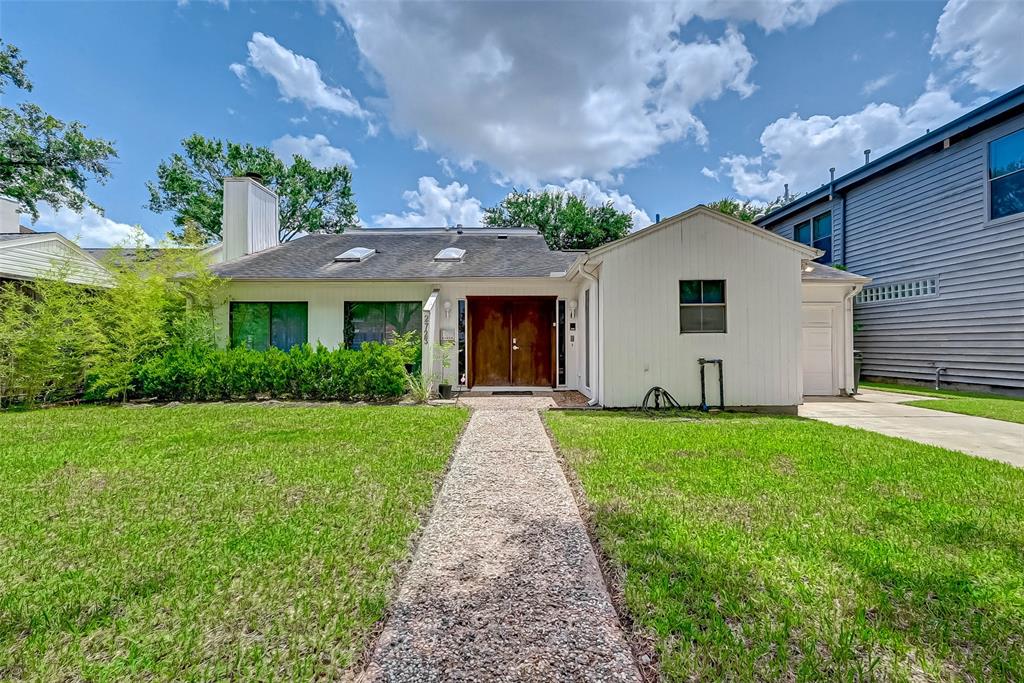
(375, 372)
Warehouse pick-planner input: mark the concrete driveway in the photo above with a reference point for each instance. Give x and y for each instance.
(883, 412)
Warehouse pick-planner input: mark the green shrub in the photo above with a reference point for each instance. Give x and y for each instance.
(375, 372)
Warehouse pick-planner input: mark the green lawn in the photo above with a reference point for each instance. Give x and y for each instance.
(206, 542)
(1005, 408)
(774, 548)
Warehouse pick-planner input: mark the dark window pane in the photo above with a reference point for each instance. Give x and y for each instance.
(714, 292)
(689, 318)
(1006, 155)
(250, 325)
(1007, 195)
(380, 321)
(712, 318)
(689, 292)
(462, 341)
(826, 246)
(288, 324)
(561, 341)
(401, 317)
(586, 345)
(802, 232)
(364, 322)
(822, 226)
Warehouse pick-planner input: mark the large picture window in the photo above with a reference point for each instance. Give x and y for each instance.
(701, 306)
(379, 321)
(262, 325)
(1006, 175)
(816, 233)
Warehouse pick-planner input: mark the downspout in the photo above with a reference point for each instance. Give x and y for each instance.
(848, 379)
(596, 329)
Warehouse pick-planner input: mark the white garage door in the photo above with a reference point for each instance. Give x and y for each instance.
(817, 357)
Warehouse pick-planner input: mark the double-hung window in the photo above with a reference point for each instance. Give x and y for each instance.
(1006, 175)
(816, 233)
(379, 321)
(701, 306)
(261, 325)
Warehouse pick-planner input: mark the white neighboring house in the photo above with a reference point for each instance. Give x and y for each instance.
(26, 255)
(611, 323)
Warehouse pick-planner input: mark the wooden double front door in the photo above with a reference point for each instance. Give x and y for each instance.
(511, 341)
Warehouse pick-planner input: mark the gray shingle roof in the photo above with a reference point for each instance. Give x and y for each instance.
(817, 272)
(402, 255)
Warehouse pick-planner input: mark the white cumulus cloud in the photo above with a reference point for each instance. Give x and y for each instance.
(298, 78)
(874, 85)
(984, 41)
(547, 92)
(801, 150)
(90, 228)
(431, 205)
(317, 149)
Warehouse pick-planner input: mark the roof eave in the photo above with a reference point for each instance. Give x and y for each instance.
(977, 117)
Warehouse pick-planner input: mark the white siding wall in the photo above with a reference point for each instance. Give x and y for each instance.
(327, 305)
(640, 300)
(41, 258)
(250, 219)
(829, 300)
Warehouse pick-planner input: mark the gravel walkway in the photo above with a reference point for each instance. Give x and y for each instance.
(504, 585)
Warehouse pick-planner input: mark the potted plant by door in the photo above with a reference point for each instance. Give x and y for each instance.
(444, 354)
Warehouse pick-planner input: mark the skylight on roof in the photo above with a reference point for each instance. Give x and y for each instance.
(355, 255)
(450, 254)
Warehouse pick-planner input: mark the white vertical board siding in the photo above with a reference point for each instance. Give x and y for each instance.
(640, 299)
(35, 258)
(326, 324)
(250, 219)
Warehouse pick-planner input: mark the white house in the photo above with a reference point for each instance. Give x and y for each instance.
(612, 322)
(26, 255)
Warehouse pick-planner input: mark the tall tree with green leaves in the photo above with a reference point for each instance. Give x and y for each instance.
(44, 159)
(190, 184)
(564, 219)
(745, 209)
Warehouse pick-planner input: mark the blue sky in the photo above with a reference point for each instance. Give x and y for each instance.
(444, 107)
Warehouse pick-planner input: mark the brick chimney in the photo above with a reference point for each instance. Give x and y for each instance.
(251, 219)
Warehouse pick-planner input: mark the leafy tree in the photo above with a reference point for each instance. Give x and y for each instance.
(190, 184)
(156, 301)
(564, 219)
(44, 159)
(745, 209)
(46, 337)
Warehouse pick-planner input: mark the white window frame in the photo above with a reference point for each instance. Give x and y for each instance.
(724, 305)
(988, 181)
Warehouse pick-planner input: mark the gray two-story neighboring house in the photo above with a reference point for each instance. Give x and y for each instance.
(938, 225)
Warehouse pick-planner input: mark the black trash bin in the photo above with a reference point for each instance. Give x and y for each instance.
(858, 362)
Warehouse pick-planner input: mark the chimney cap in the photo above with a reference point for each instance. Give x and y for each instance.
(258, 177)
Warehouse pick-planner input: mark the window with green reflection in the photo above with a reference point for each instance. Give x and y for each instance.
(260, 325)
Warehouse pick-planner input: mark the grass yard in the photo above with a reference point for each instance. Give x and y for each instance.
(206, 542)
(774, 548)
(1006, 408)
